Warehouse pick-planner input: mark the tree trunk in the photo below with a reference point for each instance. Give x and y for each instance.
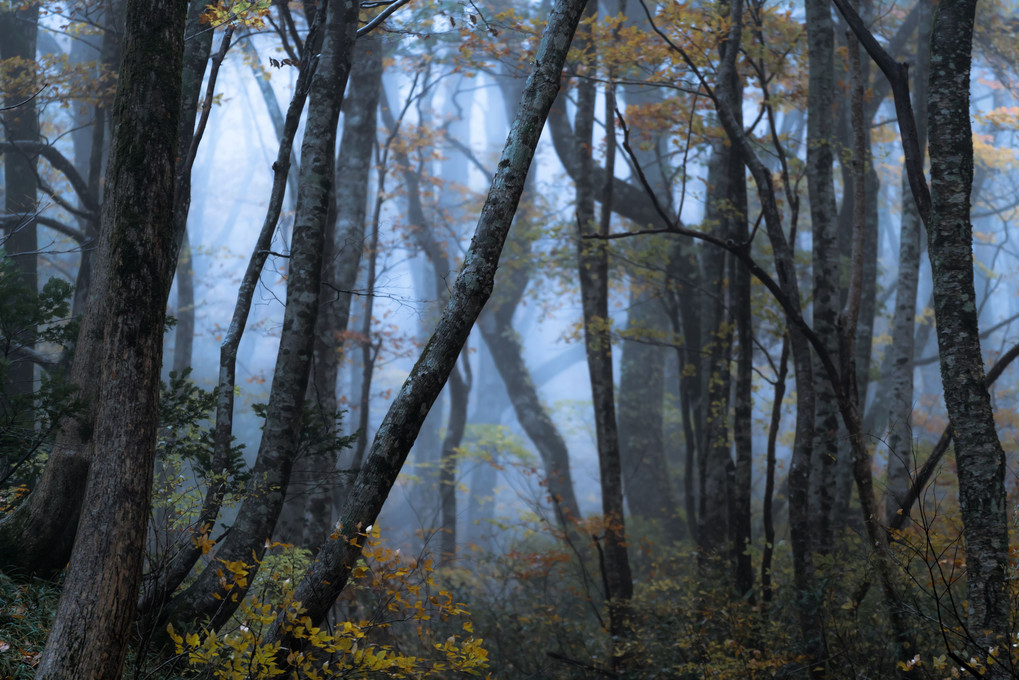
(260, 510)
(184, 333)
(901, 353)
(196, 57)
(979, 456)
(649, 492)
(593, 273)
(309, 512)
(329, 573)
(95, 613)
(827, 261)
(18, 31)
(715, 463)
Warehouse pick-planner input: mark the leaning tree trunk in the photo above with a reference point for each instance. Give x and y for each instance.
(979, 456)
(257, 516)
(137, 251)
(329, 572)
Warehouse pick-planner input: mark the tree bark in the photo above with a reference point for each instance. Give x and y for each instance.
(331, 569)
(137, 250)
(827, 261)
(979, 456)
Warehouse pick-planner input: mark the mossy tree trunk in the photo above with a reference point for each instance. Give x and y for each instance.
(979, 455)
(137, 253)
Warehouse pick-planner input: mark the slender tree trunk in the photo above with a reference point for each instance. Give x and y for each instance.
(196, 57)
(743, 422)
(329, 572)
(593, 273)
(184, 333)
(308, 513)
(459, 391)
(18, 31)
(901, 352)
(827, 261)
(260, 510)
(768, 518)
(137, 250)
(979, 456)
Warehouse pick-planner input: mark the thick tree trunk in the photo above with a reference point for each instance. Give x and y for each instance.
(260, 510)
(979, 456)
(331, 569)
(43, 527)
(137, 251)
(649, 492)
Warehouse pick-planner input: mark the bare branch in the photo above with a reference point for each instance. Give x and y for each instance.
(383, 15)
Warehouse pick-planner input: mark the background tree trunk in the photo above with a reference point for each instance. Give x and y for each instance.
(18, 31)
